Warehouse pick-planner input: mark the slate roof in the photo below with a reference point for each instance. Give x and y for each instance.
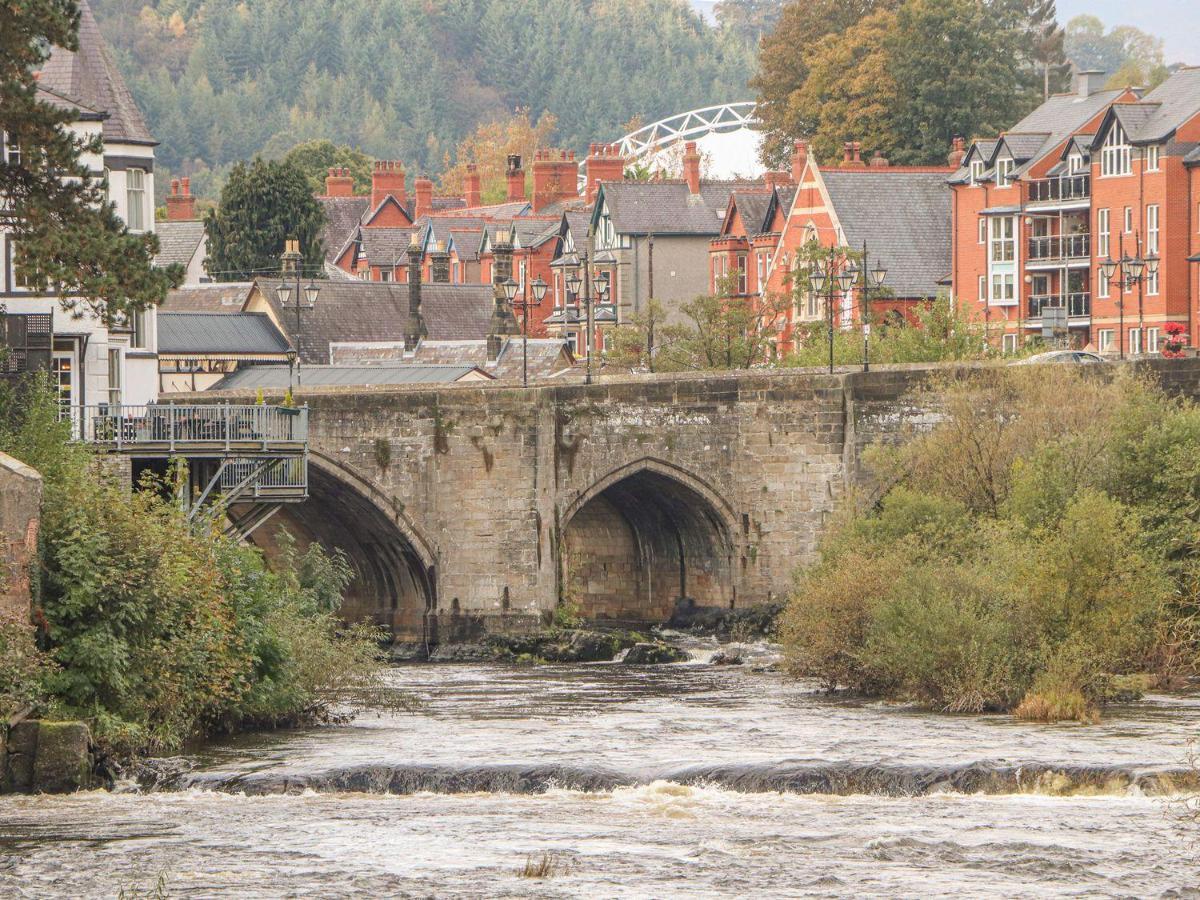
(547, 356)
(386, 246)
(1134, 116)
(753, 206)
(219, 333)
(496, 211)
(466, 243)
(904, 217)
(1192, 158)
(82, 112)
(1024, 147)
(253, 377)
(223, 297)
(90, 77)
(178, 241)
(668, 207)
(378, 311)
(1178, 100)
(343, 215)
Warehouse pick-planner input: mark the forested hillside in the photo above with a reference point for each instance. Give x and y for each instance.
(221, 80)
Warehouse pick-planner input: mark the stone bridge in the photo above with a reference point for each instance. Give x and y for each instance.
(470, 508)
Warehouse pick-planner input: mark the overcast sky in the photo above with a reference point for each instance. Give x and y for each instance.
(1177, 22)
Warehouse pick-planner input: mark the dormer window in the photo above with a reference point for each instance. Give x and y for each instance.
(977, 170)
(1004, 167)
(1075, 163)
(1115, 153)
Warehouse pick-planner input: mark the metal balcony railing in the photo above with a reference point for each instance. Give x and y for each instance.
(266, 479)
(1060, 248)
(1078, 304)
(200, 428)
(1062, 189)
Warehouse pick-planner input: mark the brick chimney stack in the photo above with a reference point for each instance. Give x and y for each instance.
(473, 193)
(339, 183)
(181, 205)
(555, 178)
(879, 161)
(799, 160)
(515, 176)
(691, 167)
(604, 163)
(415, 329)
(852, 155)
(503, 321)
(387, 178)
(958, 150)
(423, 189)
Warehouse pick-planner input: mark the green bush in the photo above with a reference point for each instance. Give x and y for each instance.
(161, 629)
(1032, 545)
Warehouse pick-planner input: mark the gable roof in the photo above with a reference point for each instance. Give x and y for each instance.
(385, 247)
(1023, 147)
(194, 333)
(88, 76)
(904, 218)
(667, 207)
(178, 241)
(224, 297)
(1177, 99)
(378, 311)
(342, 216)
(389, 200)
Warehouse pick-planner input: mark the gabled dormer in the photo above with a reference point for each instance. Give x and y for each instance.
(388, 213)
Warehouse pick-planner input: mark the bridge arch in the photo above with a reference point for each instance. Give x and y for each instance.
(643, 539)
(395, 572)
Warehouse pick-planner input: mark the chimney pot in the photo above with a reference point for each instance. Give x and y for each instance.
(181, 205)
(691, 167)
(799, 160)
(958, 150)
(473, 190)
(515, 177)
(1088, 81)
(387, 179)
(879, 161)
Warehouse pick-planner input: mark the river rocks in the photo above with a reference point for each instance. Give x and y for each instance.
(744, 624)
(47, 758)
(650, 654)
(723, 658)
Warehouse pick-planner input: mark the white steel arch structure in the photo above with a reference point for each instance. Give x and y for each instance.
(698, 122)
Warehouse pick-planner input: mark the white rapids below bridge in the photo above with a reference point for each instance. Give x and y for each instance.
(686, 780)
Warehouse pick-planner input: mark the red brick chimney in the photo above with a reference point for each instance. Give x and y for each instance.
(181, 205)
(958, 150)
(338, 183)
(691, 167)
(774, 179)
(473, 194)
(604, 163)
(879, 161)
(515, 176)
(554, 178)
(799, 160)
(387, 179)
(423, 189)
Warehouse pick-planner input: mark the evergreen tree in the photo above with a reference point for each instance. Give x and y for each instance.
(316, 158)
(262, 204)
(68, 237)
(1047, 45)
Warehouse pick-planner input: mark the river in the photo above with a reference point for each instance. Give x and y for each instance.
(686, 780)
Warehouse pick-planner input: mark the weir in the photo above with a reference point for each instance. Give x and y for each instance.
(472, 509)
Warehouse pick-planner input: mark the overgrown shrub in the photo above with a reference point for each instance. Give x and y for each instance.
(1038, 540)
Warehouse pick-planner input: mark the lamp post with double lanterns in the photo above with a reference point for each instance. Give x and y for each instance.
(291, 268)
(867, 279)
(828, 277)
(538, 288)
(1124, 274)
(582, 277)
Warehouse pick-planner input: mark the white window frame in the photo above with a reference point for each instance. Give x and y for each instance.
(1008, 342)
(983, 229)
(1102, 285)
(1102, 233)
(1115, 153)
(1104, 339)
(978, 167)
(12, 150)
(1004, 168)
(1135, 341)
(1150, 154)
(1129, 220)
(1003, 239)
(983, 294)
(1152, 228)
(135, 199)
(1152, 340)
(1004, 288)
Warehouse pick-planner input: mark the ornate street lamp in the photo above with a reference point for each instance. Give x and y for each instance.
(291, 265)
(1124, 274)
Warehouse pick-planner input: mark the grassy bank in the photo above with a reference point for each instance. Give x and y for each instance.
(1034, 547)
(157, 630)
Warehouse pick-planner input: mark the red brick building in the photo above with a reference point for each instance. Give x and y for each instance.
(1087, 178)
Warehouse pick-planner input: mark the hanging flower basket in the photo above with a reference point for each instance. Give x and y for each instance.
(1176, 340)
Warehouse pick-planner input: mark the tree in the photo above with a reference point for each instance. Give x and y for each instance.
(1047, 41)
(644, 341)
(749, 20)
(67, 235)
(262, 204)
(316, 158)
(489, 147)
(1127, 54)
(724, 331)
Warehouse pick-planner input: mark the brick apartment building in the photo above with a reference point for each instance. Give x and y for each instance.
(1084, 180)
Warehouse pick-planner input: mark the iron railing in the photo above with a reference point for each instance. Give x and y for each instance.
(1060, 247)
(265, 479)
(1078, 304)
(209, 426)
(1064, 188)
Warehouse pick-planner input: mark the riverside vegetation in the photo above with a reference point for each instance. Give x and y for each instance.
(1035, 551)
(158, 631)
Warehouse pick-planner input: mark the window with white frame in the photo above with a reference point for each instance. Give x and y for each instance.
(11, 149)
(385, 275)
(741, 273)
(1152, 229)
(1004, 167)
(135, 199)
(1104, 339)
(982, 230)
(1004, 241)
(977, 170)
(1129, 220)
(761, 271)
(140, 326)
(1101, 284)
(982, 288)
(1115, 152)
(1076, 162)
(1151, 340)
(1151, 155)
(1135, 341)
(1008, 343)
(1102, 233)
(1004, 288)
(114, 376)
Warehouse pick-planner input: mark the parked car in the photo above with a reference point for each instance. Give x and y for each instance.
(1072, 357)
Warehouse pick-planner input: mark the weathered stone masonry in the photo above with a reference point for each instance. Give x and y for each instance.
(466, 508)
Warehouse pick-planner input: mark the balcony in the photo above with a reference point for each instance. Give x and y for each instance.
(1079, 304)
(1060, 249)
(1066, 190)
(203, 430)
(259, 480)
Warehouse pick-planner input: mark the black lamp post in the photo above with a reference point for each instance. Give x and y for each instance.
(868, 278)
(291, 267)
(825, 276)
(577, 279)
(1124, 274)
(538, 288)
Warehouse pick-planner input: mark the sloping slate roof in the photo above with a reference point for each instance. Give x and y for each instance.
(206, 332)
(1179, 100)
(546, 356)
(1025, 146)
(350, 376)
(343, 215)
(386, 246)
(378, 311)
(904, 217)
(753, 206)
(223, 297)
(1059, 117)
(177, 242)
(466, 243)
(558, 207)
(447, 203)
(668, 207)
(59, 101)
(1133, 117)
(90, 77)
(497, 211)
(1193, 158)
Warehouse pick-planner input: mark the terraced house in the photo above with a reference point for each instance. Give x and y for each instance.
(1081, 224)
